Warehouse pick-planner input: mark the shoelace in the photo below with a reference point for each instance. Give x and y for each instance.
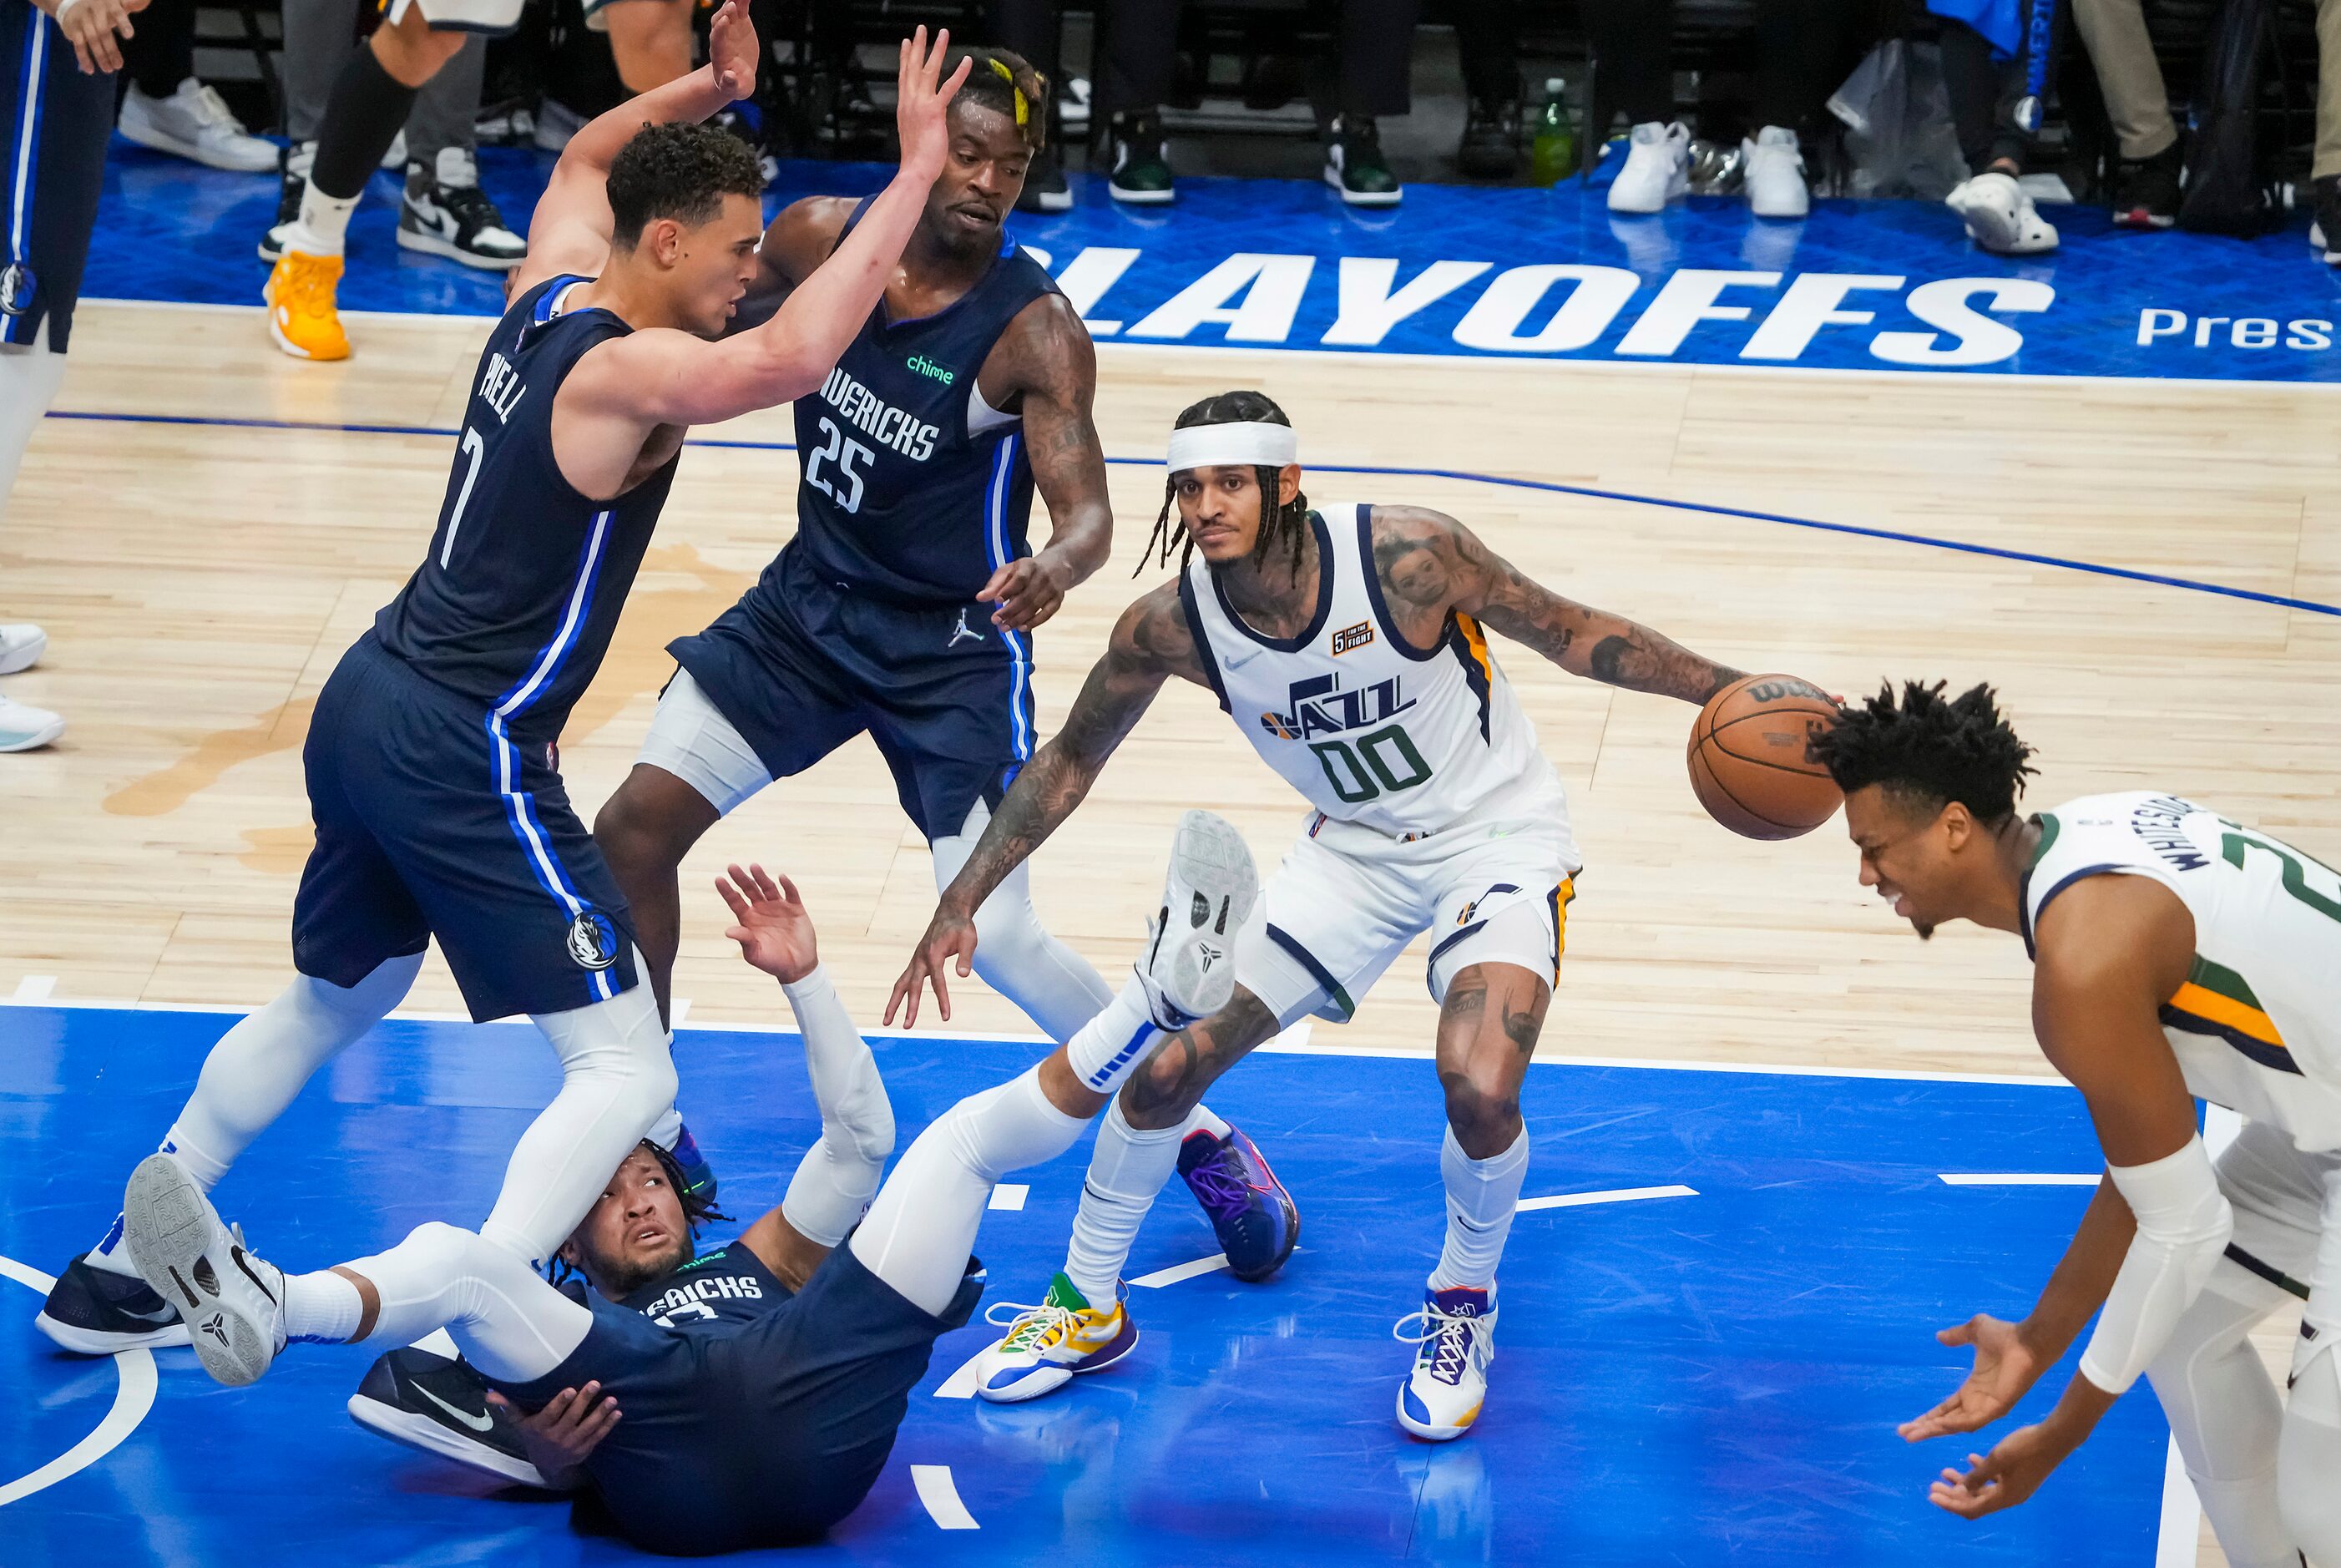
(211, 109)
(1221, 1190)
(1446, 1339)
(472, 211)
(1033, 1324)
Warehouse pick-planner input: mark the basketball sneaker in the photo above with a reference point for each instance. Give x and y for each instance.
(440, 1405)
(1657, 170)
(23, 727)
(20, 647)
(1775, 183)
(97, 1311)
(1189, 970)
(232, 1302)
(196, 123)
(1455, 1336)
(291, 180)
(302, 320)
(446, 213)
(1251, 1212)
(698, 1176)
(1048, 1346)
(1356, 167)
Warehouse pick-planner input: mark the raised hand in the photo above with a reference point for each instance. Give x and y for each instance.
(919, 102)
(949, 936)
(770, 925)
(732, 49)
(2005, 1369)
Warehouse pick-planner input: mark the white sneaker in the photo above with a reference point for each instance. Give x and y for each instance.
(1657, 171)
(1775, 175)
(1456, 1335)
(1049, 1344)
(396, 158)
(232, 1302)
(195, 123)
(2000, 218)
(23, 726)
(1189, 970)
(20, 647)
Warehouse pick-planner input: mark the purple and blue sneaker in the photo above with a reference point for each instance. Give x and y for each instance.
(1249, 1210)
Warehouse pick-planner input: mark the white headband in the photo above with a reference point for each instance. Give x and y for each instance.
(1254, 445)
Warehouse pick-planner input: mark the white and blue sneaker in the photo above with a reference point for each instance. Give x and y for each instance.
(232, 1303)
(1455, 1336)
(1051, 1343)
(1188, 967)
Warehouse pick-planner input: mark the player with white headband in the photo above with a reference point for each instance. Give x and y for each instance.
(1346, 642)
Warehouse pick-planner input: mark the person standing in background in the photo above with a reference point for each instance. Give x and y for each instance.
(57, 64)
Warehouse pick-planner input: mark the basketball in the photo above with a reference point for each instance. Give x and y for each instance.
(1747, 762)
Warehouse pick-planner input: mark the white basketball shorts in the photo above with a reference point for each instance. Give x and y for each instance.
(458, 15)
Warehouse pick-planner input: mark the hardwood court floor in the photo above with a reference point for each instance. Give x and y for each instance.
(199, 579)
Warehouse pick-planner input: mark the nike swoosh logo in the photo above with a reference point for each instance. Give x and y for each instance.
(482, 1423)
(164, 1314)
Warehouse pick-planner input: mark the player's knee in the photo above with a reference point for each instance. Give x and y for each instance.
(639, 836)
(1162, 1092)
(1484, 1109)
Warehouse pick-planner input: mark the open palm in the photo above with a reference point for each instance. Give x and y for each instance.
(770, 923)
(2005, 1369)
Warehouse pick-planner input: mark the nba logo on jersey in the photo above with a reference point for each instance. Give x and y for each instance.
(592, 940)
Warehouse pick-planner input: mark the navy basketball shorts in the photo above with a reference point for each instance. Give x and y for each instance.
(761, 1435)
(800, 667)
(57, 121)
(428, 825)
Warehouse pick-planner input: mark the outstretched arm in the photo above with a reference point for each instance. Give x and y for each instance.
(1432, 564)
(1051, 363)
(1151, 643)
(570, 229)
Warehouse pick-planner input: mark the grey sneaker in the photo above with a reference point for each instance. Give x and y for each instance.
(1189, 970)
(232, 1302)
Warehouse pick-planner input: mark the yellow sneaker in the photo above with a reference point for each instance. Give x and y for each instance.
(1049, 1344)
(302, 320)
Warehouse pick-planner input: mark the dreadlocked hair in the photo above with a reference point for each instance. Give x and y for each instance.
(1284, 525)
(1007, 84)
(1929, 749)
(696, 1211)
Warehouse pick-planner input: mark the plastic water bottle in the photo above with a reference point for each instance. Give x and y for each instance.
(1552, 154)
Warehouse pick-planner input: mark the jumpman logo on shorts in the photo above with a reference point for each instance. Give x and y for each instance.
(963, 630)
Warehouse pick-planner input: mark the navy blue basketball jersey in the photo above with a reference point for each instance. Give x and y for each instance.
(898, 498)
(729, 1285)
(516, 602)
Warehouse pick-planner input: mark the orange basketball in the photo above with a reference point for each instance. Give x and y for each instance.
(1747, 762)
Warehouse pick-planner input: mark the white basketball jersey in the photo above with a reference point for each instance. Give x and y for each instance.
(2257, 1024)
(1368, 728)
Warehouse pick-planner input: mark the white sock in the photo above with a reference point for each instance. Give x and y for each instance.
(839, 1174)
(324, 223)
(919, 1231)
(1481, 1197)
(1206, 1119)
(616, 1077)
(1109, 1047)
(1127, 1168)
(507, 1321)
(321, 1307)
(1057, 988)
(259, 1066)
(29, 377)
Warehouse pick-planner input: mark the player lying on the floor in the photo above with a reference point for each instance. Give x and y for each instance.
(2174, 954)
(754, 1415)
(1346, 641)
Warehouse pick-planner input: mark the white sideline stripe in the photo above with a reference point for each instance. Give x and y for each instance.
(2020, 1179)
(941, 1497)
(1177, 1271)
(133, 1396)
(1008, 1195)
(34, 988)
(960, 1385)
(1617, 1195)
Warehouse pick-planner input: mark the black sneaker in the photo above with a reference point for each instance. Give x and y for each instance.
(1141, 170)
(440, 1406)
(1045, 190)
(2325, 234)
(2145, 190)
(1491, 149)
(447, 215)
(1354, 165)
(292, 179)
(95, 1311)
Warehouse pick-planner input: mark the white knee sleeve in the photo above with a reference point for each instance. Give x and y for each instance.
(617, 1078)
(2225, 1415)
(509, 1322)
(29, 379)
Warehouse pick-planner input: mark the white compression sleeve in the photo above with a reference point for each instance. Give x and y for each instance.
(617, 1077)
(919, 1233)
(509, 1322)
(839, 1174)
(2183, 1225)
(1057, 988)
(1128, 1167)
(29, 379)
(2224, 1414)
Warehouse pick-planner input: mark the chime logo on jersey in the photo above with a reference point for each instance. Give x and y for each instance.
(592, 940)
(1349, 637)
(1320, 707)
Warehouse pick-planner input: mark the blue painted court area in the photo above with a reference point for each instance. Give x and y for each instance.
(1455, 270)
(1691, 1380)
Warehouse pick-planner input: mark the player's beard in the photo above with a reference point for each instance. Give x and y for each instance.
(1924, 928)
(624, 1276)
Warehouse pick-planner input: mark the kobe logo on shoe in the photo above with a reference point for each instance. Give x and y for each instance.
(215, 1325)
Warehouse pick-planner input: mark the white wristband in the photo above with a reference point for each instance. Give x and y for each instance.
(58, 16)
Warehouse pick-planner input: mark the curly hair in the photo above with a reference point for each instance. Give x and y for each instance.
(680, 171)
(696, 1211)
(1279, 523)
(1930, 748)
(1008, 84)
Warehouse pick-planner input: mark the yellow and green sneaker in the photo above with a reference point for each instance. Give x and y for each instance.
(1047, 1345)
